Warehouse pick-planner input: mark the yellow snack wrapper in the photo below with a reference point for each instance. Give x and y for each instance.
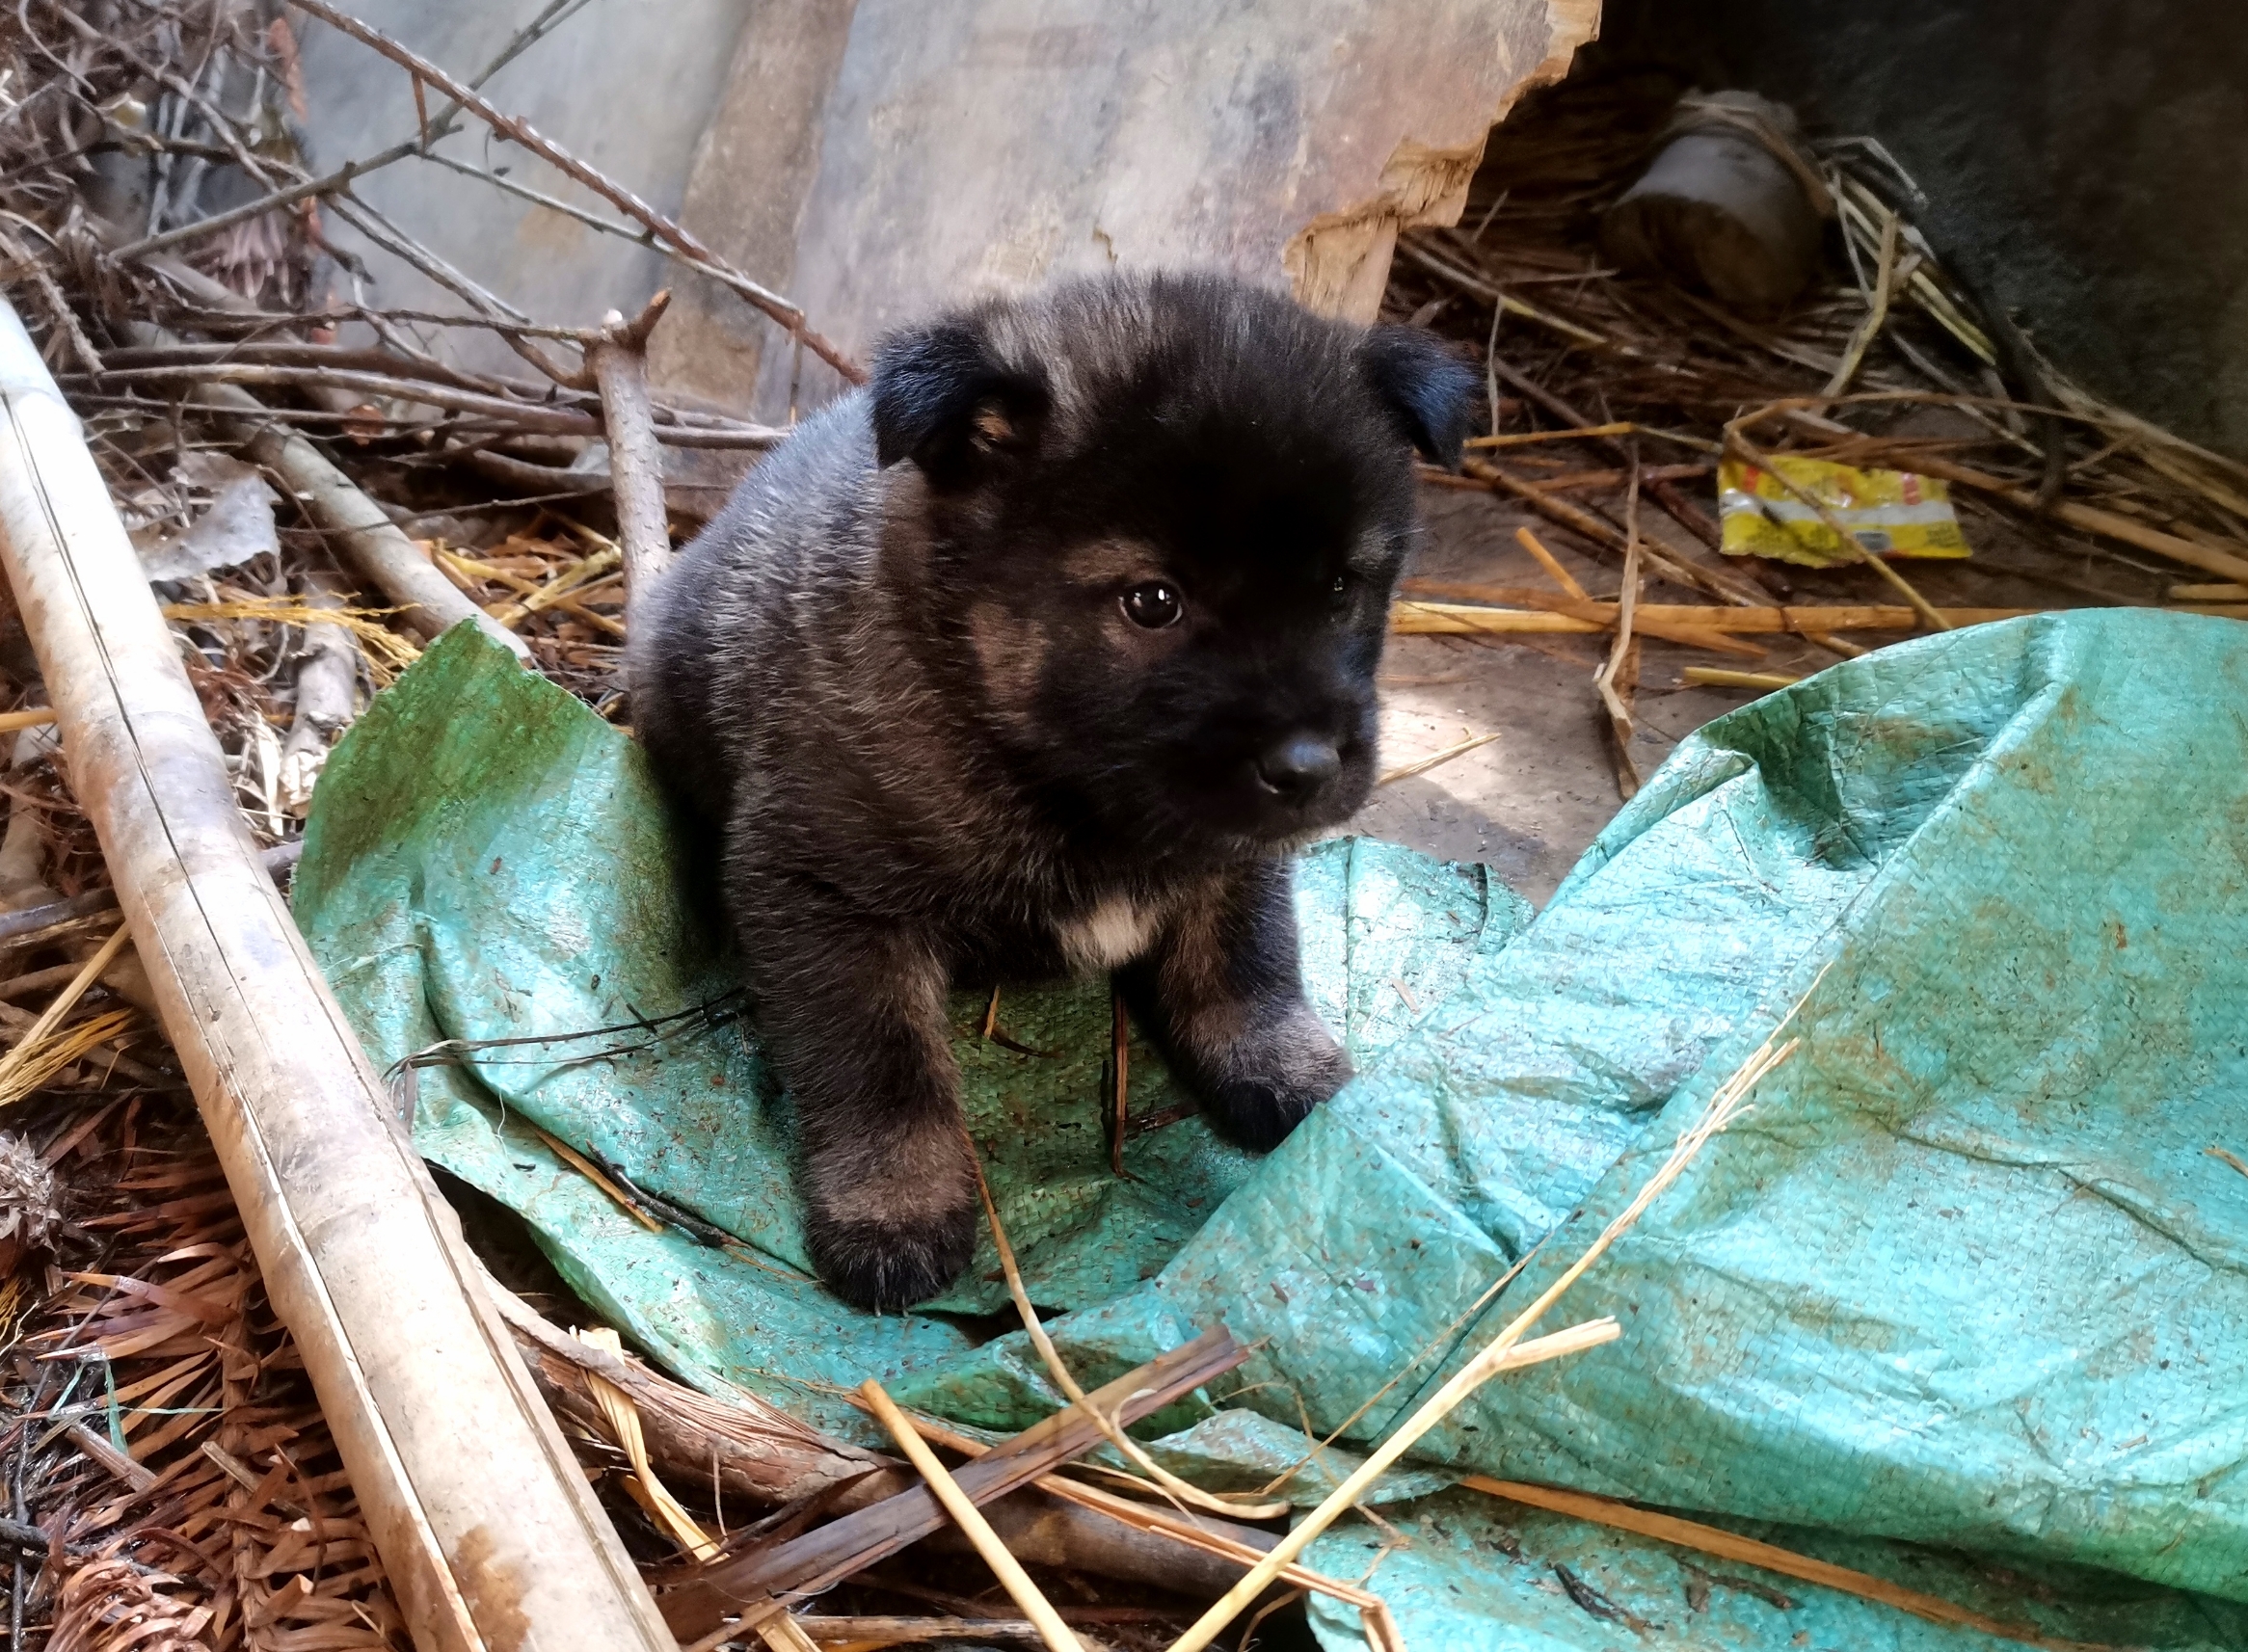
(1889, 513)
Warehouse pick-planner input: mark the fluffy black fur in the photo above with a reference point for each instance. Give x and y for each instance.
(912, 675)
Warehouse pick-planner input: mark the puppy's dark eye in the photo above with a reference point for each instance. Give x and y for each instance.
(1154, 604)
(1339, 593)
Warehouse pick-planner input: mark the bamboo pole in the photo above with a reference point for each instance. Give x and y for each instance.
(482, 1517)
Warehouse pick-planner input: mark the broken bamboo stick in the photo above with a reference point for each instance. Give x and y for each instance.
(1026, 1594)
(617, 355)
(360, 533)
(1598, 615)
(700, 1601)
(1708, 676)
(483, 1520)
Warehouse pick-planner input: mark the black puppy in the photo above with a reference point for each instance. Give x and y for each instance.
(1034, 658)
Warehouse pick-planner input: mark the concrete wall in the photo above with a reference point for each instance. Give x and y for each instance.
(2086, 160)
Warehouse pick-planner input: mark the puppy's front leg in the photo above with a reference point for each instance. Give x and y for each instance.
(853, 1015)
(1222, 992)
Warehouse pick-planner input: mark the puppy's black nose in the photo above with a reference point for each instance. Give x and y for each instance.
(1298, 768)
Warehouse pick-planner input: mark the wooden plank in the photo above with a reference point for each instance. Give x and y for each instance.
(483, 1519)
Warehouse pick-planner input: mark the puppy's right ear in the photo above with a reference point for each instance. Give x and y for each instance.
(942, 400)
(1426, 388)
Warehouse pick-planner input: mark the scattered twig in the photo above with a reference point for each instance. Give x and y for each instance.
(779, 308)
(1726, 1545)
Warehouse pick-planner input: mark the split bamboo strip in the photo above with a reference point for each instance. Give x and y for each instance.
(481, 1515)
(1731, 1546)
(869, 1632)
(1666, 565)
(1492, 1361)
(1546, 560)
(623, 1418)
(700, 1601)
(28, 1046)
(1219, 1537)
(2176, 594)
(564, 585)
(467, 567)
(1526, 437)
(970, 1519)
(1159, 1476)
(1445, 619)
(1835, 525)
(35, 717)
(2086, 518)
(2091, 519)
(1876, 310)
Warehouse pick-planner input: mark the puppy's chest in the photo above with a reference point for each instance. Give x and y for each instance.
(1113, 932)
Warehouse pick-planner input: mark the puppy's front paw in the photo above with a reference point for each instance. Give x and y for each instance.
(1270, 1078)
(887, 1263)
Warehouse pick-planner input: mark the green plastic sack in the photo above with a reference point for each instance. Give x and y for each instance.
(1969, 1276)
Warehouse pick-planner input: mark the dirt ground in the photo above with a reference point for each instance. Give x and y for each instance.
(1529, 802)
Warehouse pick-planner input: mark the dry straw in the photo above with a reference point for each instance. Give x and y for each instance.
(646, 1490)
(1177, 1489)
(40, 1055)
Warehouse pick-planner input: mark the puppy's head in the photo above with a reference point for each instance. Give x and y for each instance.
(1152, 526)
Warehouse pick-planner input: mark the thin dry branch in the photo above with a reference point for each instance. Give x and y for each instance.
(790, 316)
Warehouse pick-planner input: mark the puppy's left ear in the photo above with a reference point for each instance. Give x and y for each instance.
(1427, 389)
(942, 400)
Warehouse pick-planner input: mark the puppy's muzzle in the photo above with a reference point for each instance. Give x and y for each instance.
(1299, 768)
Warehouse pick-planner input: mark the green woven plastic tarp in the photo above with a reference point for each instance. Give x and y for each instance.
(1970, 1275)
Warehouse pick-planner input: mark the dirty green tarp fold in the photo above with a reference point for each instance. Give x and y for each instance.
(1969, 1275)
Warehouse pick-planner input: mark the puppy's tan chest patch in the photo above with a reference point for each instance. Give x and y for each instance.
(1114, 932)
